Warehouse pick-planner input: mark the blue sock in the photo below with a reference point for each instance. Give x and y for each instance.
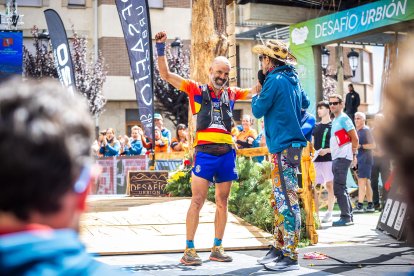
(190, 244)
(217, 242)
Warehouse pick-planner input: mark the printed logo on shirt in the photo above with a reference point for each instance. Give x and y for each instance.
(198, 169)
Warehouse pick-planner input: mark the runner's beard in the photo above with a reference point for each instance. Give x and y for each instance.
(215, 84)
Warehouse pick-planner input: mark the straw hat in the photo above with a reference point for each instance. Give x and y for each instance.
(275, 49)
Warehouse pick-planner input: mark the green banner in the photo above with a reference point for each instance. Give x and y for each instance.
(350, 22)
(340, 25)
(307, 71)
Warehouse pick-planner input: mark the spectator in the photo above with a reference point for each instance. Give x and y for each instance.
(365, 162)
(161, 143)
(158, 121)
(246, 137)
(398, 135)
(122, 142)
(352, 102)
(96, 146)
(134, 145)
(323, 162)
(46, 134)
(344, 148)
(180, 142)
(110, 145)
(382, 164)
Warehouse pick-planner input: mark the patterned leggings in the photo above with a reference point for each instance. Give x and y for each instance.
(287, 223)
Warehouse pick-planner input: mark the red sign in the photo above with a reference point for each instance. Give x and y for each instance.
(8, 42)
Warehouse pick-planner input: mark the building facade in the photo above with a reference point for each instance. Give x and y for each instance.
(98, 21)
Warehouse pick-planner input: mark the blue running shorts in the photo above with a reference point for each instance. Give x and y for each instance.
(216, 168)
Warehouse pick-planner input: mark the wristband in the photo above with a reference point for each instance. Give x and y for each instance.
(160, 49)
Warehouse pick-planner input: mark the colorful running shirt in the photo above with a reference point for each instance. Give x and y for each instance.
(216, 133)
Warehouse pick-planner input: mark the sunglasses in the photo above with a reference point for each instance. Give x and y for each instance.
(334, 103)
(261, 57)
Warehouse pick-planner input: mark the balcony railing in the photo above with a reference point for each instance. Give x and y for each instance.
(246, 78)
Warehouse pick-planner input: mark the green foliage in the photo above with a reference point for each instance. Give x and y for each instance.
(250, 195)
(179, 183)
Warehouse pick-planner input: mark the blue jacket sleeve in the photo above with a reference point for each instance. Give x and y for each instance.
(263, 102)
(308, 126)
(102, 150)
(167, 134)
(305, 100)
(256, 142)
(113, 150)
(135, 149)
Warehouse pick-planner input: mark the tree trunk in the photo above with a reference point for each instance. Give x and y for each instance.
(208, 36)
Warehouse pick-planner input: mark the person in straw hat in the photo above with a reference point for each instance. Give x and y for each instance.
(280, 102)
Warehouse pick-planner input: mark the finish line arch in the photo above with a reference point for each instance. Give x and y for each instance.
(307, 37)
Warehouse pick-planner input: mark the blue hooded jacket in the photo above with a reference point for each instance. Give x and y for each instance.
(51, 252)
(280, 102)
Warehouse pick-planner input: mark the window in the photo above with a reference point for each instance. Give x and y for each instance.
(29, 3)
(363, 74)
(367, 69)
(76, 2)
(158, 4)
(237, 114)
(131, 119)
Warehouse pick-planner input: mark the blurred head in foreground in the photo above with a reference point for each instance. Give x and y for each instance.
(399, 113)
(45, 138)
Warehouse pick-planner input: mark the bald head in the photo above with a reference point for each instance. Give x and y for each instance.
(219, 72)
(221, 60)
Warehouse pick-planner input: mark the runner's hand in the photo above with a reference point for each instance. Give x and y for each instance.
(161, 37)
(256, 89)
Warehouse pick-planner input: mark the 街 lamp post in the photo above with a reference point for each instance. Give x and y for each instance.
(176, 46)
(44, 38)
(325, 59)
(353, 57)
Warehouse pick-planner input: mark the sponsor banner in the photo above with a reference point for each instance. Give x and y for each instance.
(340, 25)
(394, 214)
(135, 22)
(350, 22)
(138, 163)
(147, 183)
(61, 51)
(106, 184)
(115, 171)
(11, 56)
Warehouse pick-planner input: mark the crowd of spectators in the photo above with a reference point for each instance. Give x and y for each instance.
(108, 144)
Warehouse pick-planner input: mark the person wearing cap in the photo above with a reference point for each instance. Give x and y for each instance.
(214, 159)
(160, 124)
(280, 102)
